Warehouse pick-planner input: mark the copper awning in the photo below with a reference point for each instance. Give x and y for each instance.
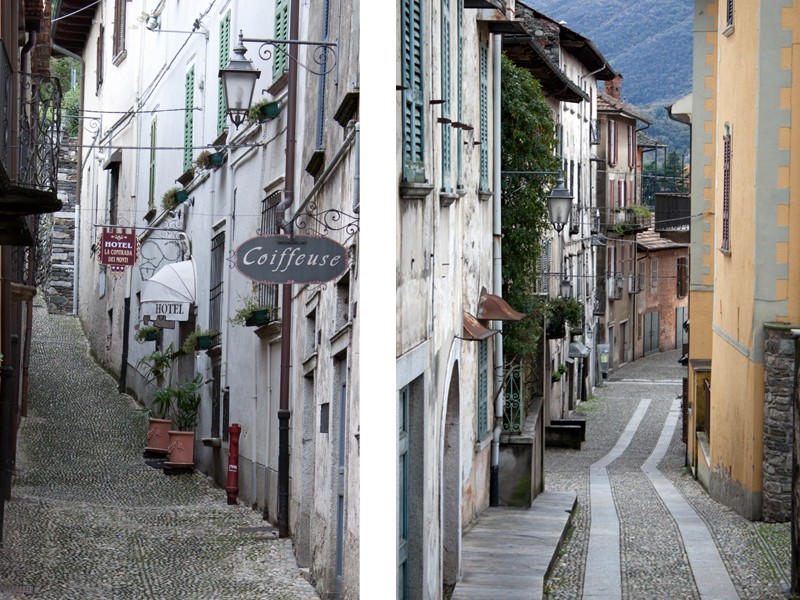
(474, 331)
(494, 308)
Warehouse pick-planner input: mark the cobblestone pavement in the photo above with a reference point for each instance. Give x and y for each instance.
(89, 519)
(653, 559)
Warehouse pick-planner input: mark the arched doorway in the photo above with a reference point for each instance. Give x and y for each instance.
(451, 485)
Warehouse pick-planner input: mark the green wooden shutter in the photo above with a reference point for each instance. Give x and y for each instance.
(224, 56)
(279, 57)
(188, 122)
(484, 106)
(460, 117)
(446, 150)
(413, 92)
(151, 202)
(483, 387)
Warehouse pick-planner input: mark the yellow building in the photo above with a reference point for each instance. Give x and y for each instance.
(745, 244)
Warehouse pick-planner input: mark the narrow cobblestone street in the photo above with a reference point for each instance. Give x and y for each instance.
(90, 519)
(656, 503)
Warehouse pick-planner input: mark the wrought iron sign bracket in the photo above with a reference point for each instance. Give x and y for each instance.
(322, 64)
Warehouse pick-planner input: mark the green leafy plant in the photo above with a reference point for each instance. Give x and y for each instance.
(157, 363)
(194, 341)
(556, 376)
(203, 160)
(161, 407)
(186, 403)
(561, 311)
(250, 306)
(146, 333)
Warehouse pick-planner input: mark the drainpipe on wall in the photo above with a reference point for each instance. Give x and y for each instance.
(497, 273)
(286, 304)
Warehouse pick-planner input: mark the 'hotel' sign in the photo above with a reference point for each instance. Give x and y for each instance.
(291, 259)
(118, 248)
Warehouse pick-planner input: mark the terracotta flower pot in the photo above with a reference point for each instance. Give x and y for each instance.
(181, 448)
(158, 436)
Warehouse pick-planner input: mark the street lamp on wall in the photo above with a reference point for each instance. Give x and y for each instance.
(565, 288)
(559, 204)
(238, 83)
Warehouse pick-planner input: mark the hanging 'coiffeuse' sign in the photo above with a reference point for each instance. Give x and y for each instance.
(119, 248)
(291, 259)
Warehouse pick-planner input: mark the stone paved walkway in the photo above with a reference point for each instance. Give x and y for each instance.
(89, 519)
(657, 504)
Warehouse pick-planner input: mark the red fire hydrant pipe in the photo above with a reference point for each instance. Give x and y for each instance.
(232, 485)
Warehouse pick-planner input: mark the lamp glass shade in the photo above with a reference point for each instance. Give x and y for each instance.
(559, 204)
(565, 287)
(238, 82)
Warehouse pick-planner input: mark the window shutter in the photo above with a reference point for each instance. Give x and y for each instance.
(446, 130)
(188, 122)
(119, 27)
(320, 128)
(483, 387)
(729, 12)
(726, 193)
(100, 37)
(413, 92)
(279, 57)
(654, 273)
(224, 57)
(151, 202)
(484, 116)
(460, 45)
(631, 146)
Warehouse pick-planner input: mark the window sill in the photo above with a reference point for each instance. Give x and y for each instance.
(728, 31)
(447, 198)
(485, 195)
(725, 252)
(484, 443)
(117, 60)
(415, 191)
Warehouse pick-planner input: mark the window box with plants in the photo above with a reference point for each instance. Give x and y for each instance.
(200, 340)
(147, 333)
(264, 110)
(207, 159)
(558, 373)
(252, 313)
(172, 197)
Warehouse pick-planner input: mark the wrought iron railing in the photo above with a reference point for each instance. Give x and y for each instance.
(513, 405)
(5, 114)
(39, 133)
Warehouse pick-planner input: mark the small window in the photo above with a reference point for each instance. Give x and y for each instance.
(683, 272)
(654, 273)
(343, 301)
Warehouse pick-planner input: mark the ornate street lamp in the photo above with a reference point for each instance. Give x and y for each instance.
(559, 204)
(238, 82)
(565, 288)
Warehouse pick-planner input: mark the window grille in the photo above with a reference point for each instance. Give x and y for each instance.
(320, 127)
(268, 292)
(224, 52)
(483, 387)
(188, 121)
(726, 193)
(217, 272)
(484, 115)
(729, 13)
(445, 107)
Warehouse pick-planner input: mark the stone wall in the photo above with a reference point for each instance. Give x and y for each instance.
(778, 389)
(56, 244)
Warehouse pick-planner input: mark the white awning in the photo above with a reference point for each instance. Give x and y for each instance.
(170, 291)
(578, 350)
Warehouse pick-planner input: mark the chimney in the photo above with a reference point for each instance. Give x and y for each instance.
(614, 88)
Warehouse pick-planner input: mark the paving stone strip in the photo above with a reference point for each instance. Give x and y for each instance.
(710, 574)
(603, 579)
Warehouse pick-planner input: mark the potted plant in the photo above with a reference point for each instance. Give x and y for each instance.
(207, 159)
(148, 333)
(200, 340)
(264, 110)
(185, 399)
(159, 423)
(252, 313)
(172, 197)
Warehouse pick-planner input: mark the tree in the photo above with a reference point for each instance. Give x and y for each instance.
(528, 143)
(670, 176)
(62, 69)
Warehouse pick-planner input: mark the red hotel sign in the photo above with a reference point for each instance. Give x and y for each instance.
(118, 248)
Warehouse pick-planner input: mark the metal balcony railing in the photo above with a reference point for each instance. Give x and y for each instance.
(5, 115)
(39, 133)
(672, 212)
(624, 221)
(513, 406)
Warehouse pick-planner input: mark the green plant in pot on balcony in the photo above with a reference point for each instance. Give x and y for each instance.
(252, 312)
(147, 333)
(172, 197)
(186, 400)
(264, 110)
(203, 339)
(159, 423)
(561, 311)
